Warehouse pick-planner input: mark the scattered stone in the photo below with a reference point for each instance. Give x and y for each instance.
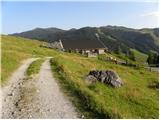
(37, 91)
(24, 78)
(82, 116)
(20, 83)
(38, 110)
(30, 116)
(12, 113)
(16, 104)
(10, 94)
(108, 77)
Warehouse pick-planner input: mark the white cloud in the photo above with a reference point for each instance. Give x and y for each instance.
(150, 14)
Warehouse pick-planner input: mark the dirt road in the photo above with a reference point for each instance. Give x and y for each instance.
(39, 97)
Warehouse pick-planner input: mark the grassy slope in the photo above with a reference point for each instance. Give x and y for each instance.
(140, 57)
(16, 49)
(134, 100)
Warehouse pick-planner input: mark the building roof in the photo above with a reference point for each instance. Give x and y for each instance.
(82, 44)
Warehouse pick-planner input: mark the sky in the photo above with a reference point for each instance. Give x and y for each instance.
(18, 16)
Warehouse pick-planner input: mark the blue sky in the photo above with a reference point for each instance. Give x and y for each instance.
(22, 16)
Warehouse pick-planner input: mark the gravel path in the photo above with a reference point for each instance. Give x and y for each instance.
(40, 97)
(10, 93)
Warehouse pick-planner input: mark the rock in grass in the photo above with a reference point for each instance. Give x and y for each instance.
(91, 80)
(106, 76)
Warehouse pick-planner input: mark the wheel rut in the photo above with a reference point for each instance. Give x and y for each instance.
(39, 97)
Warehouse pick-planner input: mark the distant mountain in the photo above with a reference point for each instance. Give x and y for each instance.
(42, 34)
(114, 37)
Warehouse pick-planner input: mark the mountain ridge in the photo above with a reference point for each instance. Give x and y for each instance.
(114, 37)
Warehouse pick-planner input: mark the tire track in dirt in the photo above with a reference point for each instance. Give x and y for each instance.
(39, 97)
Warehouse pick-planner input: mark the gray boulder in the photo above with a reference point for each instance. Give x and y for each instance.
(106, 76)
(91, 80)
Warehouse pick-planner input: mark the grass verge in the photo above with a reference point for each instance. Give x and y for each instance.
(34, 67)
(134, 100)
(78, 98)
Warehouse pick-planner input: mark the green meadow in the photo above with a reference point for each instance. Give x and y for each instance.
(138, 98)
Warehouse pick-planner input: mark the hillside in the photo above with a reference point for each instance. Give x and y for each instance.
(138, 98)
(114, 37)
(139, 57)
(15, 50)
